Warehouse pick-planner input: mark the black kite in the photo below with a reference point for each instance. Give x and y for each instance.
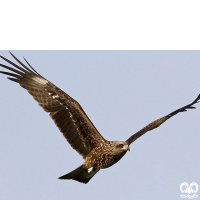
(72, 121)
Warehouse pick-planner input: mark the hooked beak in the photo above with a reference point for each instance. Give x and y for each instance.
(128, 149)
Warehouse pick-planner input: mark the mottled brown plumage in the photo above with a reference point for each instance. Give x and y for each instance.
(74, 124)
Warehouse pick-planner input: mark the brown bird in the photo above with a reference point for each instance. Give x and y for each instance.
(72, 121)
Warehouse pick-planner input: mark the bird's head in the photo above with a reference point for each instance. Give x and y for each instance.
(120, 146)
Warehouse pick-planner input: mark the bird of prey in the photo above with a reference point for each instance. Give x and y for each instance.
(72, 121)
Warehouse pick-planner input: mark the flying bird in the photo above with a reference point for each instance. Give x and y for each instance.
(67, 114)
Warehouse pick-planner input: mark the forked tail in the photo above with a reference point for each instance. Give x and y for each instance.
(81, 174)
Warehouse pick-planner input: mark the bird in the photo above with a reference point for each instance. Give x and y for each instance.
(68, 115)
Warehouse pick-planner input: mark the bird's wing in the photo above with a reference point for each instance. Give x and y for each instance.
(158, 122)
(66, 113)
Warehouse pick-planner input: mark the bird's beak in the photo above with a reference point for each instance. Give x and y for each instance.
(128, 149)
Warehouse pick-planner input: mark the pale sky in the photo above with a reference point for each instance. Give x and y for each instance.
(121, 92)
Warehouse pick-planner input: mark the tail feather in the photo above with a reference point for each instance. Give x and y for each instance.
(81, 174)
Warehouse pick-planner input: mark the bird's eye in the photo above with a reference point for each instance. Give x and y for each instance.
(120, 145)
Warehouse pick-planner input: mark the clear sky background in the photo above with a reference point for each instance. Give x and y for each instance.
(121, 92)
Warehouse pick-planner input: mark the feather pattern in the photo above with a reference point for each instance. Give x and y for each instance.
(66, 113)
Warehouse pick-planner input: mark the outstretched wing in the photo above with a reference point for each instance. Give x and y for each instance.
(158, 122)
(66, 113)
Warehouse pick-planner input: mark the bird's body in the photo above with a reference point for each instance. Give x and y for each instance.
(100, 157)
(106, 155)
(72, 121)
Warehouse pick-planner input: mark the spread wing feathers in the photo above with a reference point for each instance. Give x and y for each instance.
(158, 122)
(67, 114)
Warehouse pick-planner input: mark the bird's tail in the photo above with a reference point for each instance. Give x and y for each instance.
(81, 174)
